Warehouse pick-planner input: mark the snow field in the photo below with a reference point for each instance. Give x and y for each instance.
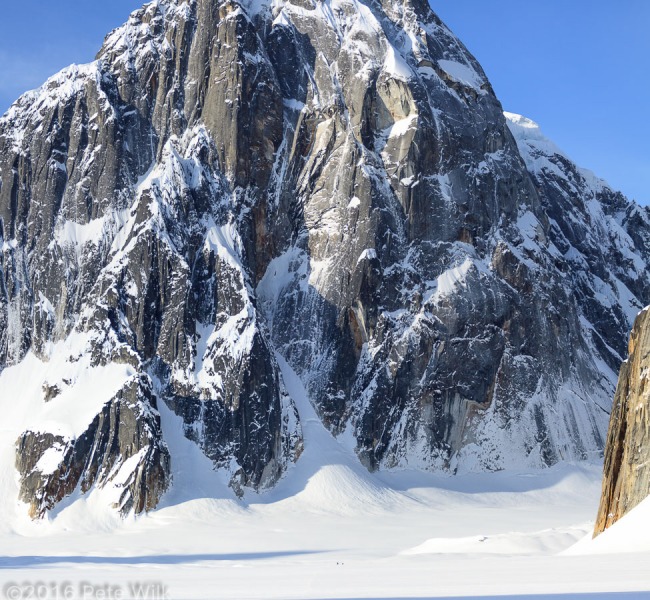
(331, 529)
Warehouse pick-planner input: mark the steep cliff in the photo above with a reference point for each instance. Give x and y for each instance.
(626, 475)
(333, 182)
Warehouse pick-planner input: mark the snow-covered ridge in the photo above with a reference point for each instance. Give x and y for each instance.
(536, 148)
(615, 223)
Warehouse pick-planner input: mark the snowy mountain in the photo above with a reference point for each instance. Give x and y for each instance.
(331, 186)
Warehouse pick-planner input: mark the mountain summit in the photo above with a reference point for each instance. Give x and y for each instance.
(328, 183)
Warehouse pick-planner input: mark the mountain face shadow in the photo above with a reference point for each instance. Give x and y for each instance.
(27, 562)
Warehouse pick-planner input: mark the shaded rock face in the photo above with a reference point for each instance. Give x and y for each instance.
(626, 474)
(331, 181)
(122, 446)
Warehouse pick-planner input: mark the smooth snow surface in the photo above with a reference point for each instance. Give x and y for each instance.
(462, 74)
(395, 65)
(331, 529)
(629, 534)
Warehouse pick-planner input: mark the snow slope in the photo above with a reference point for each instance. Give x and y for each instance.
(629, 535)
(331, 529)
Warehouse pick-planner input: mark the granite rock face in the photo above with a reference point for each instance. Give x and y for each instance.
(626, 477)
(122, 446)
(332, 182)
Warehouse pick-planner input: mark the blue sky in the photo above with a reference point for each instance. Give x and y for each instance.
(580, 68)
(39, 38)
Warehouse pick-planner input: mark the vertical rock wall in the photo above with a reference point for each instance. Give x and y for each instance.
(626, 474)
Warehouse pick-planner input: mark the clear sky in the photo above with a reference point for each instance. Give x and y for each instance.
(580, 68)
(39, 38)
